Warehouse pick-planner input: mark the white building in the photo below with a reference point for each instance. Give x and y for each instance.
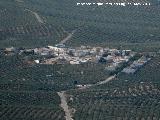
(36, 61)
(73, 62)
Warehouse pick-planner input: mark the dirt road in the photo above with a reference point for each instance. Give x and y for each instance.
(70, 35)
(105, 81)
(64, 105)
(39, 19)
(62, 95)
(98, 83)
(20, 1)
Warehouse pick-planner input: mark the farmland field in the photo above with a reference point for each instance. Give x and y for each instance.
(14, 71)
(22, 98)
(126, 97)
(95, 25)
(28, 91)
(31, 89)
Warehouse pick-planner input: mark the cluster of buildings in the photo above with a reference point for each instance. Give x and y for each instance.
(60, 54)
(136, 65)
(118, 58)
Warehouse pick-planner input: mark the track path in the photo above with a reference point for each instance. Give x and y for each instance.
(63, 97)
(70, 35)
(39, 19)
(64, 105)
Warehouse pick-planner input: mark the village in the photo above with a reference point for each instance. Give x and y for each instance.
(62, 54)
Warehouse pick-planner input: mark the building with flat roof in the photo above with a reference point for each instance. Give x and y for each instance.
(129, 70)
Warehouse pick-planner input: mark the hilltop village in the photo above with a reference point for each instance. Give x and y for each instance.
(61, 54)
